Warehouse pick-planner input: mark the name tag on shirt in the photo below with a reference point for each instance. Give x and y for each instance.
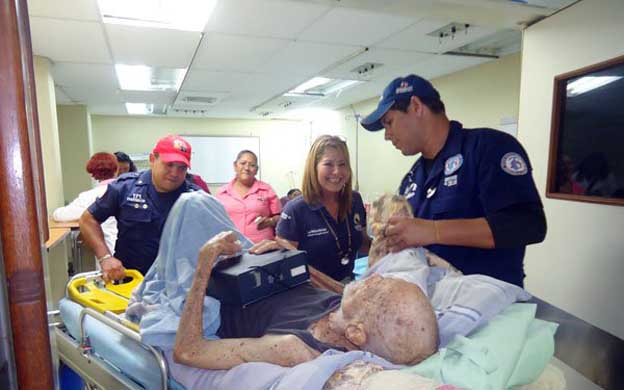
(317, 232)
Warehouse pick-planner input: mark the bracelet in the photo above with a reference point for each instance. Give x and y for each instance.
(101, 259)
(437, 232)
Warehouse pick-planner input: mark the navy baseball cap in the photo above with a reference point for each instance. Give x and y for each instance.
(399, 88)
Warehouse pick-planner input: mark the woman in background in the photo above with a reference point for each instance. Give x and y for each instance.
(125, 163)
(252, 204)
(328, 221)
(103, 168)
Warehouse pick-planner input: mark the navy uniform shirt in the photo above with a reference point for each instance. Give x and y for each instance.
(311, 226)
(477, 172)
(141, 213)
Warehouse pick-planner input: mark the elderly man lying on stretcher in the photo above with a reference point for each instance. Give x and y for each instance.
(386, 314)
(389, 317)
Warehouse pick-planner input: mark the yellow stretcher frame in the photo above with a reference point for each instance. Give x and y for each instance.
(89, 290)
(104, 302)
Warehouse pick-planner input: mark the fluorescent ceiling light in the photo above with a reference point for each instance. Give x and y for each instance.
(145, 78)
(187, 15)
(321, 86)
(588, 83)
(139, 108)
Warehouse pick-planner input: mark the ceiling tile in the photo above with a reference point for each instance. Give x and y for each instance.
(306, 58)
(61, 96)
(441, 65)
(69, 41)
(85, 95)
(149, 97)
(415, 37)
(389, 59)
(206, 80)
(236, 53)
(152, 46)
(86, 10)
(93, 76)
(266, 18)
(363, 28)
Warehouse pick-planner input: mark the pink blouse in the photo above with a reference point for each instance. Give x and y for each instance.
(260, 201)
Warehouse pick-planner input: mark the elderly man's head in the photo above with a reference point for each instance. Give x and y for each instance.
(389, 317)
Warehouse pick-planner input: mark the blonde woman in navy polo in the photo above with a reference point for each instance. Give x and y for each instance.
(328, 221)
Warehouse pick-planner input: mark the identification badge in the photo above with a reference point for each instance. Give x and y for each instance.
(450, 181)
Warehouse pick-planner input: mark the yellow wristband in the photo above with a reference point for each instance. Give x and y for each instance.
(437, 232)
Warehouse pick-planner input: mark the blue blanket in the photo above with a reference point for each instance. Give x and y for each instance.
(159, 300)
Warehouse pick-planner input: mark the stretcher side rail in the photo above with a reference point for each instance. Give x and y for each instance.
(115, 324)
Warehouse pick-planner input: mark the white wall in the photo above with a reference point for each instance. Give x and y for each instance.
(580, 266)
(283, 144)
(74, 139)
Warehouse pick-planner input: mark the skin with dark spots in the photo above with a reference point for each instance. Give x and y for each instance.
(379, 315)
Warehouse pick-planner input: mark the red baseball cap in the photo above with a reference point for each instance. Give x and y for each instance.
(173, 148)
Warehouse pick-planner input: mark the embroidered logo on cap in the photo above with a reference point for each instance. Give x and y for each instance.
(404, 87)
(513, 164)
(453, 163)
(180, 145)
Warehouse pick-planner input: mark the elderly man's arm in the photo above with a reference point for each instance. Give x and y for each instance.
(192, 349)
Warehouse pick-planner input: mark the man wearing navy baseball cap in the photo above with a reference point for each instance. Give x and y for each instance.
(474, 199)
(140, 201)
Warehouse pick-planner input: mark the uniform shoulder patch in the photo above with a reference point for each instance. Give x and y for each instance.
(452, 164)
(513, 164)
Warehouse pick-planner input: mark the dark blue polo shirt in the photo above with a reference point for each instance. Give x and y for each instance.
(477, 172)
(311, 226)
(141, 212)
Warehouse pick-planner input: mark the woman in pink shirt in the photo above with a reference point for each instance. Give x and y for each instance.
(252, 204)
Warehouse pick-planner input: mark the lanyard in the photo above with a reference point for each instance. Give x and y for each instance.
(345, 256)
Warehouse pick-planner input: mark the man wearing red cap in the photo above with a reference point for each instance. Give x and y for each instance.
(140, 201)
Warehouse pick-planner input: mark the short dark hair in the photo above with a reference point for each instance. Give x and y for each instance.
(292, 191)
(434, 104)
(122, 157)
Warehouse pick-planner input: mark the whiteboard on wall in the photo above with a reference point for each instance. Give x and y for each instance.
(212, 156)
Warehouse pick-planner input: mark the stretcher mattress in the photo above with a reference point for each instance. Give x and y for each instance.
(132, 359)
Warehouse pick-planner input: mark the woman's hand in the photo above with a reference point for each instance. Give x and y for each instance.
(265, 222)
(271, 245)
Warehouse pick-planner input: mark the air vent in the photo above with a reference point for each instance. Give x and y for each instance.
(187, 112)
(366, 68)
(210, 100)
(492, 46)
(450, 30)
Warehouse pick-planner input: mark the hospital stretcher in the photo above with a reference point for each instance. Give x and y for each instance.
(99, 344)
(106, 350)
